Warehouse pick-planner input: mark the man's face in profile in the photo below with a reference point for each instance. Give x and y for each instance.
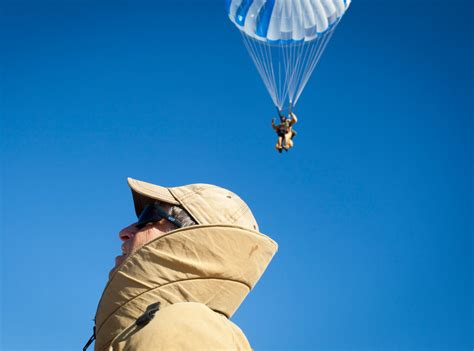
(133, 238)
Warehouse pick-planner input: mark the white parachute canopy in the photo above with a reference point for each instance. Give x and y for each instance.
(286, 39)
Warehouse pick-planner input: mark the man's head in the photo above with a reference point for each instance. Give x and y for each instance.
(282, 119)
(195, 204)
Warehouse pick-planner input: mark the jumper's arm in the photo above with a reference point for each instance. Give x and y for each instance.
(294, 120)
(274, 126)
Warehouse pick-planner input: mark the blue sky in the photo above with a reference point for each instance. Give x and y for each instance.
(372, 209)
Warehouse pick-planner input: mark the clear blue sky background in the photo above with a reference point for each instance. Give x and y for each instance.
(373, 208)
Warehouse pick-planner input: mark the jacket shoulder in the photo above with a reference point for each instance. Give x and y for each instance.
(188, 326)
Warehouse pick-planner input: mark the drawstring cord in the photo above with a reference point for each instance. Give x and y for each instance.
(141, 321)
(90, 341)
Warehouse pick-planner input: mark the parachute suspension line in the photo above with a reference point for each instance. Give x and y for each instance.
(288, 61)
(284, 56)
(281, 73)
(314, 60)
(268, 55)
(299, 52)
(277, 62)
(267, 58)
(285, 68)
(301, 70)
(259, 55)
(289, 65)
(258, 64)
(264, 62)
(284, 75)
(287, 55)
(293, 54)
(268, 66)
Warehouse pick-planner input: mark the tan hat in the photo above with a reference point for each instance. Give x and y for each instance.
(206, 203)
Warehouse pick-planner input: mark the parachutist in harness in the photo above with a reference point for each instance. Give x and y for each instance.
(286, 57)
(285, 130)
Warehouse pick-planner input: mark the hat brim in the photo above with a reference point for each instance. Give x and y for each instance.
(146, 193)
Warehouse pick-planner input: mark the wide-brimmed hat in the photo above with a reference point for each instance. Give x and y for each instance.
(206, 203)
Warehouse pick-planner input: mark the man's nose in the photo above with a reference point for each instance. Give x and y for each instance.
(127, 233)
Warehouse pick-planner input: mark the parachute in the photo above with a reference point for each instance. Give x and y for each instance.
(286, 39)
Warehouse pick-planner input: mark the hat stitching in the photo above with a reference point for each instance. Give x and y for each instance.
(233, 217)
(180, 200)
(185, 196)
(239, 212)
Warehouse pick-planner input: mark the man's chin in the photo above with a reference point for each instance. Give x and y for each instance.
(118, 261)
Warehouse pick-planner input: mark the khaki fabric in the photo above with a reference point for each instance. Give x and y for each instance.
(185, 326)
(202, 272)
(206, 203)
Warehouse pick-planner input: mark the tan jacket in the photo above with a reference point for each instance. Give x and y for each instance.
(200, 275)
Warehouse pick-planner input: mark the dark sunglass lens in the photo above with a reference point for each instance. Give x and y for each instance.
(149, 214)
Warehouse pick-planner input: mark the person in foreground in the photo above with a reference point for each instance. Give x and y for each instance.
(186, 266)
(285, 131)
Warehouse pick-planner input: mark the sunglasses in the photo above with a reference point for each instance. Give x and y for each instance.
(154, 213)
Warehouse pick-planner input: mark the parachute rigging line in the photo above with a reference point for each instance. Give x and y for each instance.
(285, 68)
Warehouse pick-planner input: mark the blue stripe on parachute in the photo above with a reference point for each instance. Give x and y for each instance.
(263, 19)
(242, 11)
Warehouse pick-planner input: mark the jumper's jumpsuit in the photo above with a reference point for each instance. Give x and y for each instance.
(285, 132)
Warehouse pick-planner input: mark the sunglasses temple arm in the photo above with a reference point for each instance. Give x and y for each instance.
(174, 221)
(170, 217)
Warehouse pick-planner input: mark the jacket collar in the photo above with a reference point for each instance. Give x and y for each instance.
(216, 265)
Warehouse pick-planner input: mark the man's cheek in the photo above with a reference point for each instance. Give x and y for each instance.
(151, 235)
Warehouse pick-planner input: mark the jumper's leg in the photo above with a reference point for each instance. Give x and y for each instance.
(279, 146)
(288, 141)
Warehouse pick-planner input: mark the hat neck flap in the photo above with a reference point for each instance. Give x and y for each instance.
(216, 265)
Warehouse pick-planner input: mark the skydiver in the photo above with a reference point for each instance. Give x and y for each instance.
(285, 131)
